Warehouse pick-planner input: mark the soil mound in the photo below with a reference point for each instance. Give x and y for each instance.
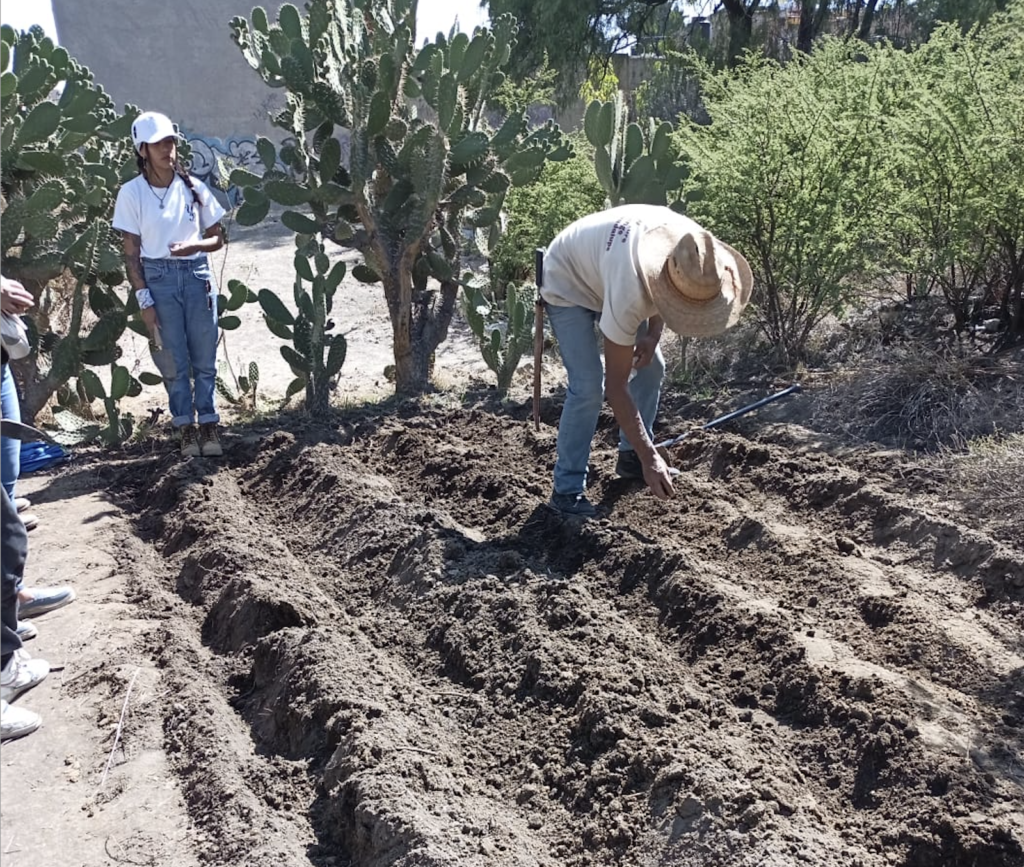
(385, 650)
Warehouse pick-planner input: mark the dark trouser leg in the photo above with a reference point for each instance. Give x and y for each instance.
(12, 557)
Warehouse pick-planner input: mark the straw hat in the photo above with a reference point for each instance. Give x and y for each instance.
(699, 284)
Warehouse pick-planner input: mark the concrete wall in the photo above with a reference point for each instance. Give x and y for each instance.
(178, 58)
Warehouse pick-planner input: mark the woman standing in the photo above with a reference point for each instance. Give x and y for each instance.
(169, 222)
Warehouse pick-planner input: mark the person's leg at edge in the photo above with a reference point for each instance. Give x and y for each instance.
(10, 448)
(167, 287)
(19, 674)
(578, 343)
(14, 551)
(645, 388)
(201, 333)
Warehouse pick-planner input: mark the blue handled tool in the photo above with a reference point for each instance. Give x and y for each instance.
(793, 389)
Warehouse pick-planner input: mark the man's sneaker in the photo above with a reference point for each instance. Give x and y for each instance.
(33, 601)
(573, 505)
(22, 504)
(16, 722)
(209, 440)
(27, 630)
(189, 441)
(29, 520)
(628, 465)
(21, 673)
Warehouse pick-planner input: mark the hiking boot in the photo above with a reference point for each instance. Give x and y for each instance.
(209, 440)
(22, 504)
(27, 630)
(628, 465)
(573, 506)
(16, 722)
(21, 673)
(189, 441)
(33, 601)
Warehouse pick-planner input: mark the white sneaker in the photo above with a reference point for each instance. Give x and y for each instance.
(21, 673)
(15, 722)
(27, 630)
(22, 504)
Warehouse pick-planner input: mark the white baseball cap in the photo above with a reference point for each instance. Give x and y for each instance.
(151, 126)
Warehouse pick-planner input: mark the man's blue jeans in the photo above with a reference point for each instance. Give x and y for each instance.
(185, 298)
(10, 448)
(580, 342)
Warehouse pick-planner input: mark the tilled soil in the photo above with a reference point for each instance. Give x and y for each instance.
(383, 649)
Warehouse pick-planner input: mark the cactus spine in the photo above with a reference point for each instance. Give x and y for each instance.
(411, 183)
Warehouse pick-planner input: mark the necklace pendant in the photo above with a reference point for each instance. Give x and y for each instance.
(161, 206)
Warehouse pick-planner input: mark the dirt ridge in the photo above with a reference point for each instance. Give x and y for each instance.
(787, 664)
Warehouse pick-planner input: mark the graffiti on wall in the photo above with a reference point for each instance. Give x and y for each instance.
(234, 153)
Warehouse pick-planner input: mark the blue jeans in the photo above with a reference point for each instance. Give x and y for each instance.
(10, 449)
(185, 298)
(579, 342)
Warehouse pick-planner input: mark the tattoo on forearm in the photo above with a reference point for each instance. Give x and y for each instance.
(133, 260)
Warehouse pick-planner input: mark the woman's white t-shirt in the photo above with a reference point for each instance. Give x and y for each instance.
(137, 210)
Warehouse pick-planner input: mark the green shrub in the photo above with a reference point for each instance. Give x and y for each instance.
(959, 212)
(792, 172)
(536, 213)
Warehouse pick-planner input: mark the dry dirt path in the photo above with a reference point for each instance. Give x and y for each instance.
(93, 786)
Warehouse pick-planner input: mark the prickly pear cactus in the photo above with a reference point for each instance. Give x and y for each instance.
(62, 158)
(245, 396)
(75, 430)
(503, 335)
(411, 184)
(633, 168)
(314, 354)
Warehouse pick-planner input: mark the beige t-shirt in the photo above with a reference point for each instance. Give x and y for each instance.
(593, 264)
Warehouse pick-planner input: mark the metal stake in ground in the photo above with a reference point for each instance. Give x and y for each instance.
(538, 334)
(722, 419)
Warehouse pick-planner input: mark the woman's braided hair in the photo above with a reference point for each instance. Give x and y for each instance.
(179, 170)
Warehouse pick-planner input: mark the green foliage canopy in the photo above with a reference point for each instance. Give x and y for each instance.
(536, 213)
(791, 172)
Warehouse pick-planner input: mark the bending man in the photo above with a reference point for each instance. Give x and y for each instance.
(630, 271)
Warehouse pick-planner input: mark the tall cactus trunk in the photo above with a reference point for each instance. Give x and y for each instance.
(318, 400)
(413, 367)
(420, 323)
(35, 389)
